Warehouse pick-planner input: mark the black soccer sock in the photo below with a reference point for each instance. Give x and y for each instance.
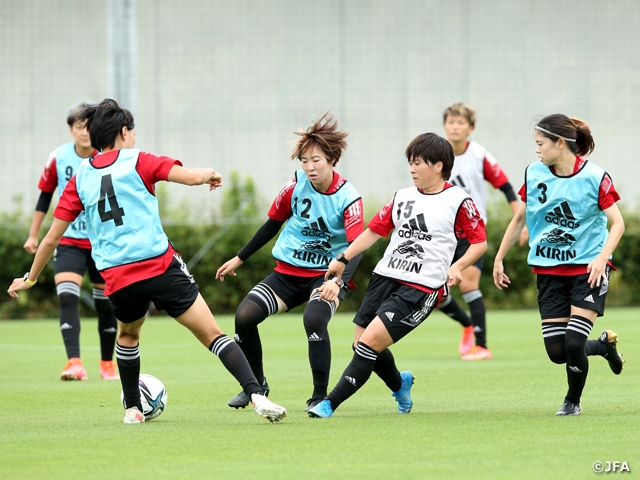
(257, 305)
(452, 308)
(107, 324)
(316, 317)
(478, 316)
(385, 368)
(355, 375)
(595, 347)
(236, 363)
(69, 298)
(578, 330)
(128, 359)
(553, 334)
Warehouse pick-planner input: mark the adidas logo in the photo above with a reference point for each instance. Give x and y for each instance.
(477, 329)
(575, 369)
(562, 216)
(237, 338)
(351, 380)
(109, 330)
(66, 326)
(314, 337)
(588, 298)
(415, 228)
(389, 315)
(317, 229)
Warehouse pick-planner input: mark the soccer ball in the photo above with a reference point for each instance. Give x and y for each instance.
(152, 394)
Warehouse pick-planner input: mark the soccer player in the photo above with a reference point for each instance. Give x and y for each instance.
(73, 256)
(415, 272)
(323, 214)
(566, 203)
(115, 189)
(473, 166)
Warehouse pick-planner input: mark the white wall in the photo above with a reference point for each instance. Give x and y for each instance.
(224, 83)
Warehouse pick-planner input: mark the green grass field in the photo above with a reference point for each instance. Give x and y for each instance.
(490, 419)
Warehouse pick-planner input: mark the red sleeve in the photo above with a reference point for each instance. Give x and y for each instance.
(154, 168)
(354, 220)
(69, 206)
(280, 209)
(469, 223)
(607, 195)
(382, 222)
(492, 171)
(49, 178)
(523, 193)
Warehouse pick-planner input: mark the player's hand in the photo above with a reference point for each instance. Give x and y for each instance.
(228, 268)
(17, 285)
(214, 180)
(454, 276)
(500, 279)
(335, 269)
(329, 291)
(597, 270)
(524, 236)
(31, 245)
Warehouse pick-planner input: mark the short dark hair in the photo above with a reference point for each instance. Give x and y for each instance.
(561, 126)
(432, 148)
(105, 121)
(463, 109)
(75, 112)
(325, 135)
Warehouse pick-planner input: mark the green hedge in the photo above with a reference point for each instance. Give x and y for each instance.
(218, 237)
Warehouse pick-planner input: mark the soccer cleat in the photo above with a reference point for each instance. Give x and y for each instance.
(267, 409)
(73, 370)
(467, 340)
(108, 370)
(403, 396)
(477, 353)
(312, 402)
(569, 409)
(616, 362)
(133, 415)
(322, 410)
(241, 400)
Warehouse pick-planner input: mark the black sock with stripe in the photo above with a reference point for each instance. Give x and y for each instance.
(236, 363)
(128, 359)
(355, 375)
(578, 330)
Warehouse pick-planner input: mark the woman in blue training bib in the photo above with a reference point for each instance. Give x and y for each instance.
(566, 203)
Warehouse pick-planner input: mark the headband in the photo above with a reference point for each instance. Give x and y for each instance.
(555, 134)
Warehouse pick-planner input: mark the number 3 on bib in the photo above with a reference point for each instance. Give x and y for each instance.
(107, 193)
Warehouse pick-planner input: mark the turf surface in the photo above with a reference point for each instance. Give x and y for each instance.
(489, 419)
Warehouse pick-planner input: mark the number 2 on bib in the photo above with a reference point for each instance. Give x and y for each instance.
(107, 193)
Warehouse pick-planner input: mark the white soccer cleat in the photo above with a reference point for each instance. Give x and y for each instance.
(133, 415)
(267, 409)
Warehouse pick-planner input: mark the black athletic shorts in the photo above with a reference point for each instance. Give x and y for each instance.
(174, 291)
(294, 290)
(556, 295)
(69, 258)
(400, 307)
(461, 249)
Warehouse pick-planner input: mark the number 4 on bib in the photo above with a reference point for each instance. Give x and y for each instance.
(107, 193)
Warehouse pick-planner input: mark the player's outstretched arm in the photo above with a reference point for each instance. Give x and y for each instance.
(43, 254)
(500, 279)
(228, 268)
(597, 268)
(365, 240)
(195, 176)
